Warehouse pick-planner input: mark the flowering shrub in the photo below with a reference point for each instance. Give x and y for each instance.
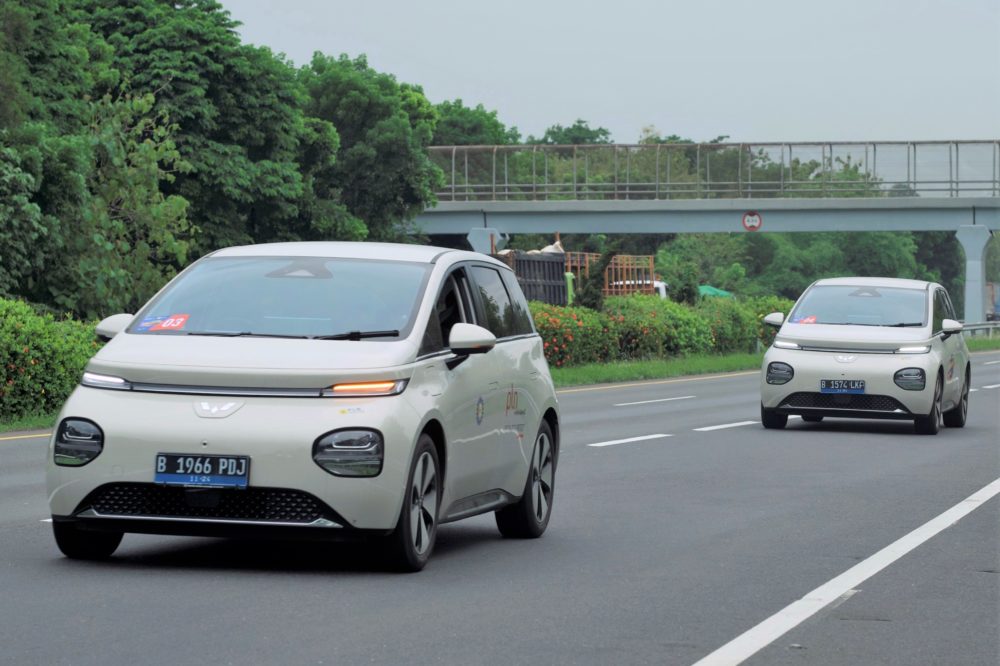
(41, 359)
(649, 327)
(734, 326)
(574, 335)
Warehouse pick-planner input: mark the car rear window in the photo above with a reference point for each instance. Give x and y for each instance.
(861, 306)
(287, 296)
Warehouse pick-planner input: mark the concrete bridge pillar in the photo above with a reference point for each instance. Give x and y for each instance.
(973, 238)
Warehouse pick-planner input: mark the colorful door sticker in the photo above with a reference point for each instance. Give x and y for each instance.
(172, 323)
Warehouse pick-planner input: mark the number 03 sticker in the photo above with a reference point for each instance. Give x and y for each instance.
(172, 323)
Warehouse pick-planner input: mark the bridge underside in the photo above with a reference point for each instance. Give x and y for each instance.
(972, 218)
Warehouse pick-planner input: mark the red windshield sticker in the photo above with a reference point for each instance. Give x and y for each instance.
(172, 323)
(811, 319)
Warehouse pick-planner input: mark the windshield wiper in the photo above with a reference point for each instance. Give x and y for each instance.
(904, 324)
(357, 335)
(246, 334)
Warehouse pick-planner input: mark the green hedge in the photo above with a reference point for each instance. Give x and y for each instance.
(648, 327)
(41, 359)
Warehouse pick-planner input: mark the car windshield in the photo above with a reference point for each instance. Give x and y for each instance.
(861, 306)
(297, 297)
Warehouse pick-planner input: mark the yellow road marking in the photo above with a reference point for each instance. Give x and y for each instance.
(608, 387)
(39, 436)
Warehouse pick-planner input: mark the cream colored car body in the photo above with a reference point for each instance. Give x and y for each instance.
(483, 412)
(869, 353)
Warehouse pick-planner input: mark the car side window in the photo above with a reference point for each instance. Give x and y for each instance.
(495, 301)
(522, 316)
(940, 311)
(452, 307)
(949, 308)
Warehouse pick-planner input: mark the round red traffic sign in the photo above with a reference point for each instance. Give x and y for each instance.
(752, 221)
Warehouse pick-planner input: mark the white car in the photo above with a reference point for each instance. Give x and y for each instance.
(878, 348)
(319, 390)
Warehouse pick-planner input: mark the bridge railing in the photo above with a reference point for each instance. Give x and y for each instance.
(719, 170)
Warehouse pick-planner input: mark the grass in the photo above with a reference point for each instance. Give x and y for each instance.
(38, 422)
(983, 343)
(626, 371)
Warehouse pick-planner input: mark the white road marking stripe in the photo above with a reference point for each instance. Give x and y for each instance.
(646, 402)
(726, 425)
(630, 439)
(991, 362)
(45, 520)
(992, 386)
(752, 641)
(973, 390)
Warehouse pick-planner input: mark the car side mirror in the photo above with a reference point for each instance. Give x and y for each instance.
(951, 327)
(112, 326)
(775, 319)
(468, 339)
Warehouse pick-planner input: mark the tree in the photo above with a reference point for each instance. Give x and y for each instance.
(578, 133)
(459, 125)
(383, 172)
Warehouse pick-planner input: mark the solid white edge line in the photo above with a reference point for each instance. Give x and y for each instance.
(646, 402)
(630, 439)
(738, 424)
(755, 639)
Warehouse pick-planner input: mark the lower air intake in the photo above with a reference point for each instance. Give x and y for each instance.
(870, 403)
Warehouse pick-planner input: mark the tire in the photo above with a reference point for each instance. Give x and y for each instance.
(955, 418)
(528, 517)
(812, 419)
(930, 424)
(411, 543)
(80, 544)
(772, 420)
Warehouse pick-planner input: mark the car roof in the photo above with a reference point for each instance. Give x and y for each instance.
(427, 254)
(898, 283)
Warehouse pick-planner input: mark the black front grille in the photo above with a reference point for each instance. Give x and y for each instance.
(869, 403)
(250, 504)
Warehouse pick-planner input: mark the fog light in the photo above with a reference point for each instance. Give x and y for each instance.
(78, 441)
(910, 379)
(354, 452)
(779, 373)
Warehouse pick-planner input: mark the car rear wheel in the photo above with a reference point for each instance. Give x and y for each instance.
(412, 541)
(930, 424)
(771, 419)
(529, 516)
(955, 418)
(812, 419)
(80, 544)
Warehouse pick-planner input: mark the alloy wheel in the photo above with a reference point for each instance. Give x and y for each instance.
(423, 503)
(542, 475)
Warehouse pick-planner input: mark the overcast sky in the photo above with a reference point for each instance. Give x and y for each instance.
(761, 70)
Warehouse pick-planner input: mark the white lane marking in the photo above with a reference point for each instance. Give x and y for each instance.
(630, 439)
(646, 402)
(726, 425)
(973, 390)
(755, 639)
(45, 520)
(991, 362)
(992, 386)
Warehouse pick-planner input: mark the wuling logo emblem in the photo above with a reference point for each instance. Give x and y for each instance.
(216, 410)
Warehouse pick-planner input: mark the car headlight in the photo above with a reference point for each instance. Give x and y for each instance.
(94, 380)
(366, 389)
(78, 441)
(779, 373)
(782, 344)
(910, 379)
(352, 452)
(914, 349)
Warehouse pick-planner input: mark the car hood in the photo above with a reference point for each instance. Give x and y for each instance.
(250, 362)
(848, 337)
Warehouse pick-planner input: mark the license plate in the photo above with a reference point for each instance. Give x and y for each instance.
(852, 386)
(202, 471)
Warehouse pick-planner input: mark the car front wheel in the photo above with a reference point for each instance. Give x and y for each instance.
(955, 418)
(930, 424)
(412, 541)
(80, 544)
(771, 419)
(529, 516)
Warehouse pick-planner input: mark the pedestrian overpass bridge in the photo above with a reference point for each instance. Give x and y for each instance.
(493, 191)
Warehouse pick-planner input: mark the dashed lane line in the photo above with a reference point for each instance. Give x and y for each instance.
(992, 386)
(757, 638)
(613, 442)
(738, 424)
(991, 363)
(693, 378)
(647, 402)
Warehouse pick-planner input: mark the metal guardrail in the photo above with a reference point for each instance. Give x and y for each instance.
(986, 329)
(719, 170)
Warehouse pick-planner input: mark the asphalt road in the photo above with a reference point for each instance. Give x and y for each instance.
(660, 550)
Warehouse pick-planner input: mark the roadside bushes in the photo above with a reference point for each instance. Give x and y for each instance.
(41, 359)
(645, 327)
